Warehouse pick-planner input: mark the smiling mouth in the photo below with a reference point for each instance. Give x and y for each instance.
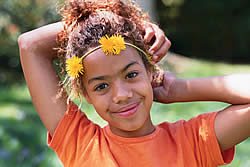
(127, 111)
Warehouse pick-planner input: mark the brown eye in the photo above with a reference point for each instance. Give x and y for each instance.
(131, 75)
(100, 87)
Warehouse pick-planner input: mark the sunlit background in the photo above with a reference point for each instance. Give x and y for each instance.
(208, 38)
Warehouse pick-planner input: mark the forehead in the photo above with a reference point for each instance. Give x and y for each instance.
(98, 62)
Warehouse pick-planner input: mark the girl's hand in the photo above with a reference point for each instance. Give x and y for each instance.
(162, 84)
(160, 43)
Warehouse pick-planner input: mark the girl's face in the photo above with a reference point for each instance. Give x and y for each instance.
(119, 87)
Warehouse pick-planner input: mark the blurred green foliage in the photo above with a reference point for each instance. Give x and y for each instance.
(214, 30)
(17, 17)
(22, 135)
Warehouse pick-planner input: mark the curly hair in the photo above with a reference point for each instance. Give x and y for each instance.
(86, 21)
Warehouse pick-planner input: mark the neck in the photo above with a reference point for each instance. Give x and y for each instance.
(147, 129)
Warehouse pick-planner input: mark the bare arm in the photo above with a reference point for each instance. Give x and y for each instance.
(232, 89)
(37, 54)
(232, 125)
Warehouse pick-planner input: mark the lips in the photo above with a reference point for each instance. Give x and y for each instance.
(127, 111)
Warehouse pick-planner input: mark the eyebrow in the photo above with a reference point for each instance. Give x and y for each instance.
(105, 76)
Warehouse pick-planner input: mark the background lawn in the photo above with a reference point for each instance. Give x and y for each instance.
(23, 138)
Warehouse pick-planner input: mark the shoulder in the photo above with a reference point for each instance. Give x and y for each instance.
(198, 136)
(74, 125)
(205, 120)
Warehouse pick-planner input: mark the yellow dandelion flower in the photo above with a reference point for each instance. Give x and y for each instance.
(112, 45)
(118, 43)
(74, 67)
(106, 45)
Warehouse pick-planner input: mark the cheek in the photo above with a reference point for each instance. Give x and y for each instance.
(101, 104)
(99, 101)
(145, 90)
(145, 85)
(148, 91)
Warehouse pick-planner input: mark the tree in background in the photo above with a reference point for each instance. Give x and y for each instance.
(216, 30)
(16, 17)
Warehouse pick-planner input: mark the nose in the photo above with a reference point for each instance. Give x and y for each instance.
(121, 92)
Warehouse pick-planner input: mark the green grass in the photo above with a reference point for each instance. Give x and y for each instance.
(23, 138)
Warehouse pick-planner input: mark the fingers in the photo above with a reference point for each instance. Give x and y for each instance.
(157, 79)
(162, 51)
(149, 33)
(159, 39)
(162, 90)
(159, 94)
(160, 43)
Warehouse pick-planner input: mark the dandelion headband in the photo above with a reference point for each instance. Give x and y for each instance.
(110, 46)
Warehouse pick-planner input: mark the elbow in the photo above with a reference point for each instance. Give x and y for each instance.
(25, 46)
(23, 42)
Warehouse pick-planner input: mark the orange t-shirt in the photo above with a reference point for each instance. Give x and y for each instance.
(79, 142)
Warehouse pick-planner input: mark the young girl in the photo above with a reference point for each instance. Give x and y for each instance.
(106, 61)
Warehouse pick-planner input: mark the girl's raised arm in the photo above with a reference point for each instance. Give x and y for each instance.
(232, 125)
(37, 54)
